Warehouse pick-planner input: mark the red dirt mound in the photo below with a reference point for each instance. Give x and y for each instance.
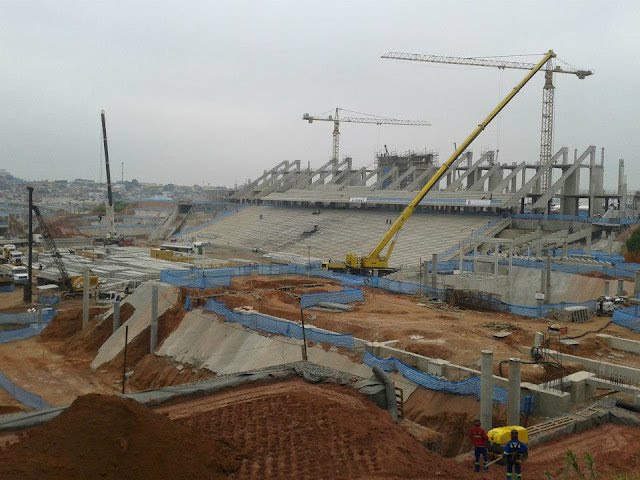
(328, 431)
(105, 437)
(157, 372)
(91, 339)
(66, 323)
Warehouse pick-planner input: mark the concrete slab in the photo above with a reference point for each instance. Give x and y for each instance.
(206, 341)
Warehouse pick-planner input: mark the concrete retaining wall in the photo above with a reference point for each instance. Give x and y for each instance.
(624, 344)
(546, 402)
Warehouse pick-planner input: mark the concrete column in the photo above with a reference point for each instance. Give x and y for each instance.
(513, 392)
(486, 390)
(434, 270)
(589, 241)
(565, 247)
(606, 288)
(85, 298)
(636, 286)
(461, 259)
(116, 316)
(620, 291)
(154, 318)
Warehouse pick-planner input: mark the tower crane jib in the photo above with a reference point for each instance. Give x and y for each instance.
(551, 67)
(371, 120)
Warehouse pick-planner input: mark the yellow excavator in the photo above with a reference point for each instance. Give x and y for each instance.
(377, 261)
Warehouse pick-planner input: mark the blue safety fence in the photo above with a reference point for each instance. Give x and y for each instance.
(216, 277)
(188, 305)
(7, 336)
(627, 317)
(265, 323)
(48, 299)
(26, 318)
(346, 295)
(546, 309)
(468, 386)
(221, 277)
(29, 399)
(18, 318)
(7, 288)
(194, 279)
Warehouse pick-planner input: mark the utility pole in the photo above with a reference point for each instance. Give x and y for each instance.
(28, 288)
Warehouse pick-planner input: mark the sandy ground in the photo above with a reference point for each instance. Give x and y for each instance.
(58, 378)
(10, 300)
(449, 333)
(56, 364)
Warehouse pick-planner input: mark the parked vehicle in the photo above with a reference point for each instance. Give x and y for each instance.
(20, 275)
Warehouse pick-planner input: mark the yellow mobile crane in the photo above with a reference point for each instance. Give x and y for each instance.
(377, 262)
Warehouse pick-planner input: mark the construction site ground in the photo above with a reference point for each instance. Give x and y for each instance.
(331, 422)
(328, 431)
(56, 364)
(420, 326)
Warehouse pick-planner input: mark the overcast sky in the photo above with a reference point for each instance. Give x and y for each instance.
(213, 92)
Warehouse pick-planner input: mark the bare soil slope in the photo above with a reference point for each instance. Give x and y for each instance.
(292, 429)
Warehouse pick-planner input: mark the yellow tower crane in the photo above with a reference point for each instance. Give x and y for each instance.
(546, 129)
(377, 262)
(370, 119)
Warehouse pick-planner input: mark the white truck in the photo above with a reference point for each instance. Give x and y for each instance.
(20, 275)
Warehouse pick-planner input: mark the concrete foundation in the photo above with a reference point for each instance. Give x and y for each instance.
(547, 402)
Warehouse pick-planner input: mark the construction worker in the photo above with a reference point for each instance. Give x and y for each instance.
(512, 453)
(479, 440)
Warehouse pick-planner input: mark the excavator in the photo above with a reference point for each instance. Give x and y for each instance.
(376, 263)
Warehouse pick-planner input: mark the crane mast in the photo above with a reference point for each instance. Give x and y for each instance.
(111, 222)
(372, 120)
(376, 260)
(546, 127)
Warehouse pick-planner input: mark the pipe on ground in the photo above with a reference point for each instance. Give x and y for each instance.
(390, 391)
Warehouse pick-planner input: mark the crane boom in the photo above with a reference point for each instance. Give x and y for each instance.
(65, 280)
(372, 120)
(375, 259)
(111, 234)
(481, 62)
